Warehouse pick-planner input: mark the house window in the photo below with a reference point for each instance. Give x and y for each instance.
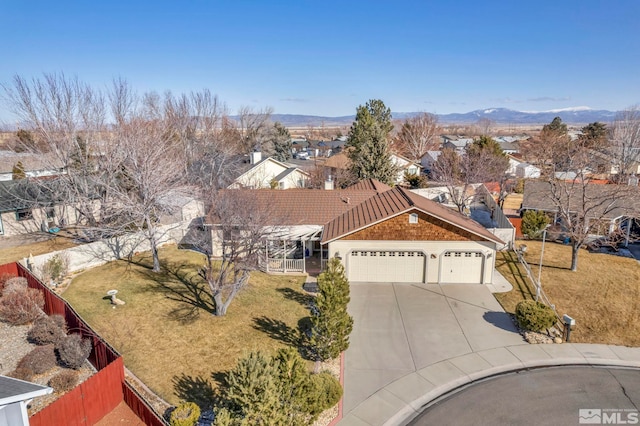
(24, 214)
(413, 218)
(51, 213)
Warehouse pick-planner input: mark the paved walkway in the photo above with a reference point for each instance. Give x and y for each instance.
(413, 343)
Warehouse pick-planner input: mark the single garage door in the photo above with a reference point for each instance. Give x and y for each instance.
(386, 266)
(461, 267)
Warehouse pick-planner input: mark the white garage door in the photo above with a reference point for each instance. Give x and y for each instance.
(461, 267)
(387, 266)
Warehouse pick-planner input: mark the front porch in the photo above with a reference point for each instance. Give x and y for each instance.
(298, 250)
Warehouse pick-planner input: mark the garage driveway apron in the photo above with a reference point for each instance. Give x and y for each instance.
(401, 328)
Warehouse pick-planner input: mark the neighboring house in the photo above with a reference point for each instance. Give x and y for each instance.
(612, 213)
(381, 234)
(509, 147)
(405, 165)
(337, 164)
(527, 171)
(185, 209)
(457, 143)
(36, 166)
(429, 159)
(269, 172)
(27, 207)
(15, 395)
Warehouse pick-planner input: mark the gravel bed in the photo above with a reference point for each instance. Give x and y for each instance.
(13, 346)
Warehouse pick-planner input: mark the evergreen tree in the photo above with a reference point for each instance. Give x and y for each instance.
(369, 143)
(594, 135)
(253, 391)
(332, 324)
(282, 144)
(556, 127)
(18, 171)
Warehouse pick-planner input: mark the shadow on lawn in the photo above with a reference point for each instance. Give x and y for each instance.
(179, 283)
(296, 296)
(194, 389)
(279, 330)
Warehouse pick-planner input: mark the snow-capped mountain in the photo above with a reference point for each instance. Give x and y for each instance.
(573, 115)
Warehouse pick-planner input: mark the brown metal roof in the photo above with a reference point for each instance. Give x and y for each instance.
(305, 206)
(391, 203)
(369, 185)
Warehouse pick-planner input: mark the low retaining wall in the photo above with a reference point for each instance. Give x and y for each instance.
(94, 254)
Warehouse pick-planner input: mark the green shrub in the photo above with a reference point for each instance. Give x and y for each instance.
(325, 392)
(533, 222)
(64, 381)
(21, 306)
(46, 330)
(185, 414)
(534, 316)
(39, 360)
(55, 269)
(73, 350)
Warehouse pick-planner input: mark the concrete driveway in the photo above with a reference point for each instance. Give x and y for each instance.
(402, 328)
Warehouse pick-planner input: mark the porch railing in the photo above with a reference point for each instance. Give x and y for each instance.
(285, 265)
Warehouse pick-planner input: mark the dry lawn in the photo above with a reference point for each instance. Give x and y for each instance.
(513, 201)
(17, 252)
(603, 295)
(166, 331)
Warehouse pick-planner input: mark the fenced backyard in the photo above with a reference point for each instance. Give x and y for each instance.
(90, 401)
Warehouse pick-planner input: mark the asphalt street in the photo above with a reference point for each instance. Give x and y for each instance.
(547, 396)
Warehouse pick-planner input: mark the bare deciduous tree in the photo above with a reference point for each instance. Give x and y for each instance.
(482, 161)
(240, 227)
(253, 126)
(418, 135)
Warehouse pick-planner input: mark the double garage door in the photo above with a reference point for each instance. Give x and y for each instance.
(456, 267)
(387, 266)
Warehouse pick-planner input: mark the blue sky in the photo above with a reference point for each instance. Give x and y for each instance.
(328, 57)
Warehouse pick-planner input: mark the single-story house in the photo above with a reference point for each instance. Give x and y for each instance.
(269, 172)
(33, 165)
(428, 159)
(457, 143)
(27, 206)
(610, 209)
(338, 163)
(381, 234)
(527, 171)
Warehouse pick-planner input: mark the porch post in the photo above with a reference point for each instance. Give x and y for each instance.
(304, 258)
(284, 257)
(266, 251)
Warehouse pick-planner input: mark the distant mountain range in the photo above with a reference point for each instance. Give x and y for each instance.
(576, 115)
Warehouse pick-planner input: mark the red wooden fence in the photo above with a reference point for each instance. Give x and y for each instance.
(90, 401)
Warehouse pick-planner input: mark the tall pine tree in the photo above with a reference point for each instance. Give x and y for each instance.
(332, 324)
(368, 143)
(282, 145)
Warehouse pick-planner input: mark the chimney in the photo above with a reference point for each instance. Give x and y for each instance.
(328, 184)
(255, 157)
